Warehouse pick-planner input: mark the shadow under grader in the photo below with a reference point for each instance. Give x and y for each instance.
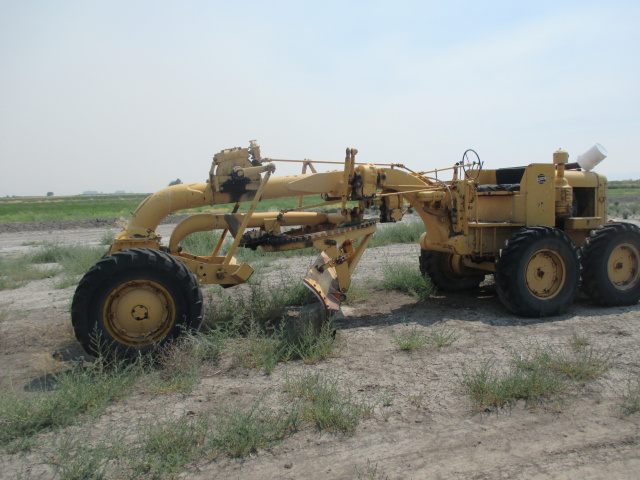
(481, 304)
(70, 352)
(45, 383)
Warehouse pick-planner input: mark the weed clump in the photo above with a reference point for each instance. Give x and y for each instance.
(535, 374)
(410, 340)
(16, 272)
(407, 232)
(264, 306)
(241, 431)
(81, 391)
(297, 339)
(631, 398)
(415, 338)
(167, 446)
(324, 405)
(407, 278)
(180, 363)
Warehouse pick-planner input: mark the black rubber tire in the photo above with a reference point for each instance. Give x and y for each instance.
(609, 242)
(119, 274)
(521, 288)
(435, 265)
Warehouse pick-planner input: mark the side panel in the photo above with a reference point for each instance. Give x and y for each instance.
(537, 189)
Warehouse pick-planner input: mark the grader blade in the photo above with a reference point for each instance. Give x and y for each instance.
(322, 280)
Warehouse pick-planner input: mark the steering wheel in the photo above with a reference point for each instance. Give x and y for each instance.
(464, 163)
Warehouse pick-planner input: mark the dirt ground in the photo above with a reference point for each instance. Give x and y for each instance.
(427, 426)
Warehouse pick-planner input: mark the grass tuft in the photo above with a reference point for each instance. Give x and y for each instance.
(416, 338)
(578, 342)
(442, 336)
(75, 458)
(631, 398)
(83, 390)
(410, 340)
(74, 261)
(406, 232)
(407, 278)
(487, 389)
(370, 472)
(357, 294)
(107, 238)
(180, 362)
(325, 405)
(167, 446)
(243, 431)
(265, 306)
(16, 272)
(537, 373)
(293, 338)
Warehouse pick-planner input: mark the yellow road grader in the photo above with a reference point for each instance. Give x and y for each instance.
(541, 230)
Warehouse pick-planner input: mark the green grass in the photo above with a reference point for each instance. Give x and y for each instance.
(358, 293)
(274, 324)
(407, 232)
(107, 238)
(536, 373)
(442, 336)
(407, 278)
(74, 260)
(74, 458)
(264, 305)
(241, 431)
(410, 339)
(325, 405)
(180, 363)
(168, 445)
(40, 209)
(16, 272)
(631, 398)
(81, 391)
(296, 338)
(414, 338)
(622, 188)
(487, 389)
(370, 472)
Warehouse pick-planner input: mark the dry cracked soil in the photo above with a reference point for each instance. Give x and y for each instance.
(424, 425)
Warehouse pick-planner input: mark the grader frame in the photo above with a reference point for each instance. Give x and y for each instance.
(525, 225)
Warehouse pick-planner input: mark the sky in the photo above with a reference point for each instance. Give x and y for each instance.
(130, 95)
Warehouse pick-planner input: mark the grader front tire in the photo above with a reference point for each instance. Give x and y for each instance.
(538, 272)
(439, 268)
(611, 265)
(133, 301)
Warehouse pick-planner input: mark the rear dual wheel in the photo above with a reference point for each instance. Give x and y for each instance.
(537, 272)
(133, 301)
(611, 265)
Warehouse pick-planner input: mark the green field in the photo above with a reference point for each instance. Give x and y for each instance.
(624, 197)
(41, 209)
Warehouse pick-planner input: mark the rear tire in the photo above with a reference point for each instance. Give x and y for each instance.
(611, 265)
(133, 301)
(538, 272)
(437, 266)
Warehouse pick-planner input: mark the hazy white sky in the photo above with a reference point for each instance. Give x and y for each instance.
(130, 95)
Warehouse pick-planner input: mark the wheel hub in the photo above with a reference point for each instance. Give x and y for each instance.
(623, 266)
(139, 312)
(545, 274)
